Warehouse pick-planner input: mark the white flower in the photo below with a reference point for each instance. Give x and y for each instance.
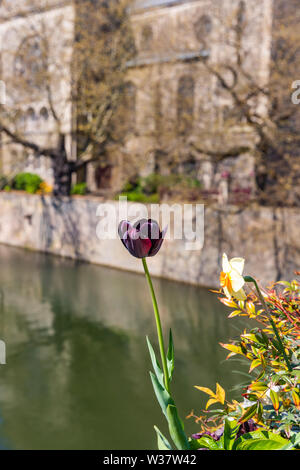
(231, 278)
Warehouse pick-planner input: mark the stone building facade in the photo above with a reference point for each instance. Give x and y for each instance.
(174, 104)
(26, 29)
(179, 104)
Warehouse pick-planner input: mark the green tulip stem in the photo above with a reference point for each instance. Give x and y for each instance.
(263, 302)
(158, 326)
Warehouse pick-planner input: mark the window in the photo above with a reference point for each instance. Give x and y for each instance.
(44, 113)
(146, 38)
(30, 62)
(185, 103)
(157, 108)
(129, 106)
(203, 28)
(241, 13)
(30, 114)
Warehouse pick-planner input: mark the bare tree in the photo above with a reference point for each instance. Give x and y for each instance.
(263, 105)
(82, 77)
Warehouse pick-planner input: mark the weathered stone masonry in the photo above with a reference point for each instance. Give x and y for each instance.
(268, 238)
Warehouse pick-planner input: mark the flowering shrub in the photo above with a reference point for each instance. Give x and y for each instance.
(29, 182)
(271, 401)
(44, 188)
(268, 418)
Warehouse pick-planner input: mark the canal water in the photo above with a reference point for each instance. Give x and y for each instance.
(77, 372)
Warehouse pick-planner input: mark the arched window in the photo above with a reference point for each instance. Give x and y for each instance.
(241, 14)
(30, 62)
(21, 119)
(146, 38)
(30, 114)
(44, 113)
(157, 109)
(129, 107)
(203, 28)
(185, 103)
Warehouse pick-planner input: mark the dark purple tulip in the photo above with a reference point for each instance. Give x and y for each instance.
(142, 239)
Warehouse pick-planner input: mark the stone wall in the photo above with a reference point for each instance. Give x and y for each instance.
(268, 238)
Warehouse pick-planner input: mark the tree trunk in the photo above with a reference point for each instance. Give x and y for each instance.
(62, 169)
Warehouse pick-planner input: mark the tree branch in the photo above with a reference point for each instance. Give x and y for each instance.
(222, 155)
(47, 152)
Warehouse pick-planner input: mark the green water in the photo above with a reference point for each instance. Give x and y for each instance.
(77, 365)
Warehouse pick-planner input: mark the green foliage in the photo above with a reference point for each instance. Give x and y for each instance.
(79, 189)
(3, 182)
(166, 402)
(162, 442)
(255, 440)
(170, 356)
(271, 398)
(28, 182)
(154, 187)
(138, 196)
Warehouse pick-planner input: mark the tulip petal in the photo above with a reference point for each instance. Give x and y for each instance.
(163, 233)
(150, 230)
(124, 227)
(139, 247)
(141, 239)
(156, 245)
(139, 223)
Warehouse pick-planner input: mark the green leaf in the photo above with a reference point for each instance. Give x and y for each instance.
(230, 431)
(162, 441)
(163, 397)
(206, 442)
(249, 413)
(261, 444)
(275, 400)
(176, 429)
(158, 372)
(169, 409)
(170, 356)
(258, 386)
(295, 440)
(260, 436)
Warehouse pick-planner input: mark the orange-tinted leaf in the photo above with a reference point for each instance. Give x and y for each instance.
(250, 307)
(232, 347)
(275, 400)
(249, 413)
(206, 390)
(296, 398)
(235, 313)
(258, 386)
(220, 394)
(210, 402)
(254, 364)
(228, 302)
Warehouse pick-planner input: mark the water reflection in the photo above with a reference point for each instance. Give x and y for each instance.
(77, 366)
